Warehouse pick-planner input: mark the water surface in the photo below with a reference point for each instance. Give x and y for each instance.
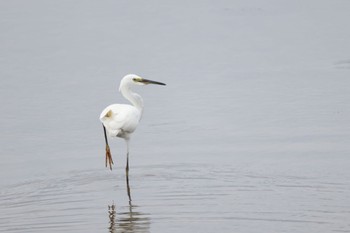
(251, 133)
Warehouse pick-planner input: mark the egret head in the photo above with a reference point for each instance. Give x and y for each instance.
(131, 79)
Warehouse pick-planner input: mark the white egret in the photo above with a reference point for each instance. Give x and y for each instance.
(121, 120)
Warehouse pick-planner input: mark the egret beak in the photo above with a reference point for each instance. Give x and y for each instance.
(147, 81)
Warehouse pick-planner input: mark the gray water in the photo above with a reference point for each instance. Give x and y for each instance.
(251, 133)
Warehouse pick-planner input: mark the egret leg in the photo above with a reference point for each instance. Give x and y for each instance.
(127, 170)
(109, 159)
(127, 182)
(127, 157)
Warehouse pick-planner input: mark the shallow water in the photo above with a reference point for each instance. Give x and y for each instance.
(251, 133)
(182, 197)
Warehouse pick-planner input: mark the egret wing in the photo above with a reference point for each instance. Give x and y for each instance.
(119, 117)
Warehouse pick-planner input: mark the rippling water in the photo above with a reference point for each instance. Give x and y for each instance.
(251, 133)
(179, 197)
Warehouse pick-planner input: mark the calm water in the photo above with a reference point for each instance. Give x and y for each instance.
(251, 133)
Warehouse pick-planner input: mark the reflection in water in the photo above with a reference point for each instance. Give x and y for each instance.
(111, 215)
(129, 220)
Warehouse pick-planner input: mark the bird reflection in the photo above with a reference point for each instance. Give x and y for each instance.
(111, 215)
(126, 218)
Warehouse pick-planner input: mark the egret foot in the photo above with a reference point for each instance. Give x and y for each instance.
(109, 159)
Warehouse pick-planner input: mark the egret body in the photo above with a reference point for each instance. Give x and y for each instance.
(121, 120)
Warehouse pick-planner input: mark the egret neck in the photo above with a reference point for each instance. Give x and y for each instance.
(133, 97)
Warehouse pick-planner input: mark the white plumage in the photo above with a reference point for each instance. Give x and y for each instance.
(121, 120)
